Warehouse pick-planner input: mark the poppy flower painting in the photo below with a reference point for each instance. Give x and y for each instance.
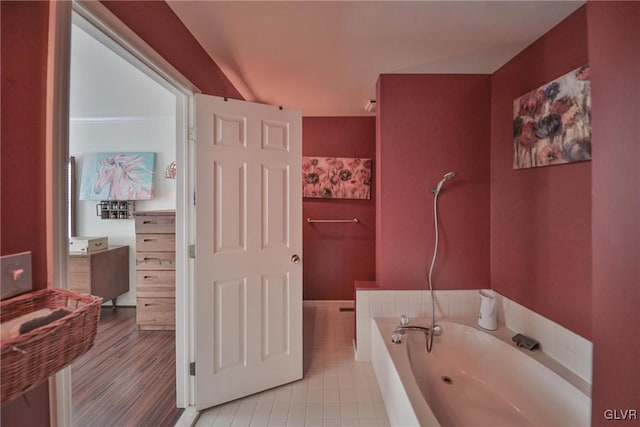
(552, 124)
(336, 177)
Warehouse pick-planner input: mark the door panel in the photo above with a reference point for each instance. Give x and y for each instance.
(248, 225)
(275, 209)
(231, 336)
(230, 216)
(275, 325)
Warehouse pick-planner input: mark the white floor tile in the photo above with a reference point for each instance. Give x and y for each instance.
(223, 421)
(313, 422)
(331, 410)
(349, 410)
(241, 421)
(277, 421)
(315, 395)
(259, 421)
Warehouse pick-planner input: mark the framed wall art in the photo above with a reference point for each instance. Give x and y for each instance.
(336, 177)
(552, 124)
(117, 176)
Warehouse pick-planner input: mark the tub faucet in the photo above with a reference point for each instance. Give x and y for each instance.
(404, 326)
(400, 330)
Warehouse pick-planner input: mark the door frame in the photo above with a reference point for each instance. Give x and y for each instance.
(57, 152)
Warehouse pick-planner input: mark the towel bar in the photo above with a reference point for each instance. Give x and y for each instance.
(354, 220)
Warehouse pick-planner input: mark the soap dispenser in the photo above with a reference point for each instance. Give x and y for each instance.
(488, 316)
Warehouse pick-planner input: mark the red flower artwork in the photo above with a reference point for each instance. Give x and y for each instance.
(552, 124)
(336, 177)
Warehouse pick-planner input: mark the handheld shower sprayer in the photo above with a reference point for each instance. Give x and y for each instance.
(447, 176)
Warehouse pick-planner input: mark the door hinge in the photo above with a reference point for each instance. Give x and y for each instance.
(192, 368)
(191, 134)
(192, 251)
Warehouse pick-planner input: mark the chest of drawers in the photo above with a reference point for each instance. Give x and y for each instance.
(155, 269)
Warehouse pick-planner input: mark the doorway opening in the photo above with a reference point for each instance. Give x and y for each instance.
(120, 114)
(162, 126)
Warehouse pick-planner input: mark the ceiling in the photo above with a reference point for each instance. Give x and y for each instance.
(324, 57)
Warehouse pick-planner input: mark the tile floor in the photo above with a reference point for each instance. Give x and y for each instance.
(336, 390)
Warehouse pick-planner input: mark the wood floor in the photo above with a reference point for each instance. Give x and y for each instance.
(127, 378)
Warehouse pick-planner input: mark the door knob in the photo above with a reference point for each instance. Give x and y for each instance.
(295, 259)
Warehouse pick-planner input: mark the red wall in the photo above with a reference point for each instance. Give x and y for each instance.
(158, 25)
(336, 255)
(614, 44)
(541, 217)
(24, 29)
(429, 125)
(24, 70)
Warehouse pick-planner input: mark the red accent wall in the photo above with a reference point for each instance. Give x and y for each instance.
(614, 43)
(337, 255)
(541, 217)
(160, 27)
(429, 125)
(24, 77)
(24, 70)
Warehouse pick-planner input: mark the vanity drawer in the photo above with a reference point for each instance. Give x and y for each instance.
(155, 261)
(155, 224)
(155, 242)
(156, 313)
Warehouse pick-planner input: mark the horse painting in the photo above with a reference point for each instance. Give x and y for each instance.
(126, 176)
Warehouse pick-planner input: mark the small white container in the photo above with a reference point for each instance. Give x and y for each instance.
(85, 245)
(488, 316)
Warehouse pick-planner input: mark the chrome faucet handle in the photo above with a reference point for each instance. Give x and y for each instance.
(404, 320)
(437, 330)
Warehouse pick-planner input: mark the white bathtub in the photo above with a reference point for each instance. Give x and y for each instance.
(471, 378)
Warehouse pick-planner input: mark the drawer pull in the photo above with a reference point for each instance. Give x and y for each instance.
(156, 222)
(155, 260)
(150, 277)
(149, 240)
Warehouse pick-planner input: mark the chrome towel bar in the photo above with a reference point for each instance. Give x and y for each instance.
(354, 220)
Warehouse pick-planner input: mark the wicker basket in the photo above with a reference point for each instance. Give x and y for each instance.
(31, 358)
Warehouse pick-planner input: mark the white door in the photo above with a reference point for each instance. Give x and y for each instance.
(248, 331)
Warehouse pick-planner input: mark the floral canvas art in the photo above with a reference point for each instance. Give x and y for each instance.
(117, 176)
(336, 177)
(552, 124)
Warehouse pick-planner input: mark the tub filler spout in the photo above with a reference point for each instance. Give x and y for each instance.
(400, 330)
(403, 328)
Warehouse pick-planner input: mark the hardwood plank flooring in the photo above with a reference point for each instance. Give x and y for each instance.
(127, 378)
